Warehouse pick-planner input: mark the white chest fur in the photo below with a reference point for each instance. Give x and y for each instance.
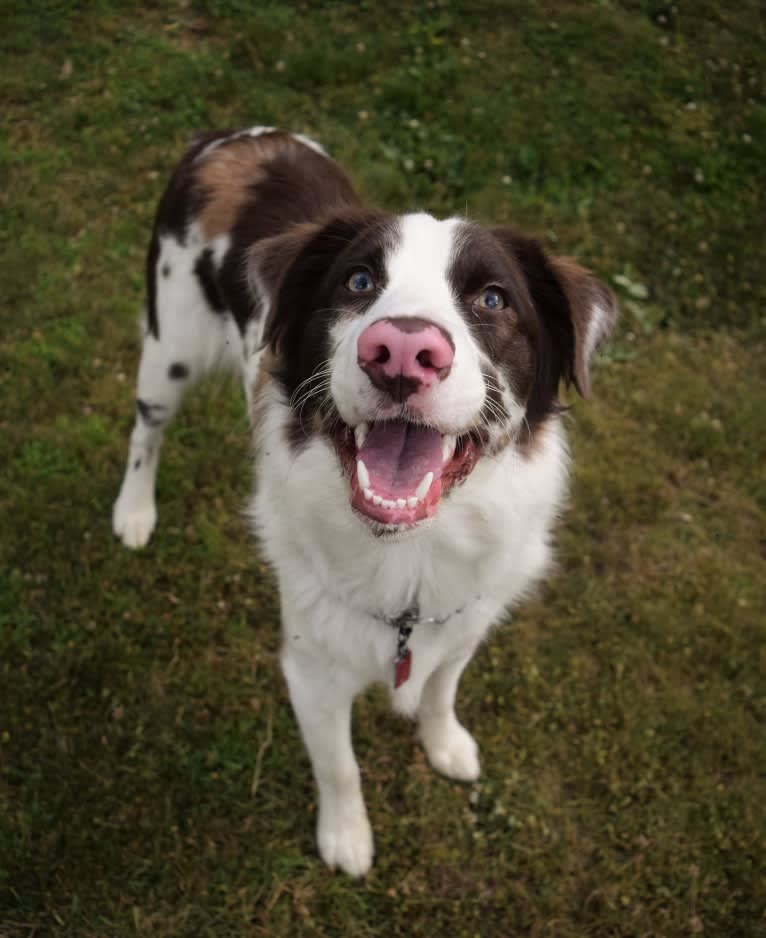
(338, 582)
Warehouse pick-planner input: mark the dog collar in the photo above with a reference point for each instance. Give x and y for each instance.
(404, 623)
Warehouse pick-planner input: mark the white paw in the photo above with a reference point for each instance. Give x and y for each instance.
(346, 842)
(451, 749)
(133, 525)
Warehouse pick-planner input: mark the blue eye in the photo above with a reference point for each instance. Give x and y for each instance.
(360, 282)
(491, 299)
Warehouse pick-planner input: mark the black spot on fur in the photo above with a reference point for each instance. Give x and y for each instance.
(166, 270)
(151, 413)
(137, 464)
(205, 272)
(178, 371)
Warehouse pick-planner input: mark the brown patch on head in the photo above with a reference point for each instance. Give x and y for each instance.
(508, 336)
(554, 316)
(575, 311)
(303, 274)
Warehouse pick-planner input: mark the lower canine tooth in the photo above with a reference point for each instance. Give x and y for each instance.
(362, 474)
(422, 490)
(376, 500)
(448, 447)
(360, 434)
(368, 494)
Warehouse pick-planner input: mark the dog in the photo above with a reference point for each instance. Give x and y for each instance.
(402, 375)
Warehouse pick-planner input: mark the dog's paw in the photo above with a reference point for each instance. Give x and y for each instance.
(451, 749)
(345, 841)
(133, 525)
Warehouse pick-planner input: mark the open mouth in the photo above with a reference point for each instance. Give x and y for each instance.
(399, 470)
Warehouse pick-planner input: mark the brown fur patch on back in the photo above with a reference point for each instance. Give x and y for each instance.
(225, 175)
(230, 172)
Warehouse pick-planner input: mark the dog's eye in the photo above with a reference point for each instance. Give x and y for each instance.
(360, 281)
(492, 299)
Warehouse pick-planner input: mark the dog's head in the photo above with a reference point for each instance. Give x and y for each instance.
(417, 347)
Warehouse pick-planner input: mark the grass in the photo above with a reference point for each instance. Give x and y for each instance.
(152, 780)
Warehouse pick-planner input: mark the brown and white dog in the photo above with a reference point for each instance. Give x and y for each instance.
(402, 377)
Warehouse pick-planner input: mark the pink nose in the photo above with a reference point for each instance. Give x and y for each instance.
(405, 355)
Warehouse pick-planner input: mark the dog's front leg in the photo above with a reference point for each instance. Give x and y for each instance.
(322, 699)
(450, 747)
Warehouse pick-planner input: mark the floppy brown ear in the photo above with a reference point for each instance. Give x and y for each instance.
(267, 265)
(593, 309)
(577, 310)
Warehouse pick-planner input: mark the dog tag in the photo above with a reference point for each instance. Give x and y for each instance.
(402, 667)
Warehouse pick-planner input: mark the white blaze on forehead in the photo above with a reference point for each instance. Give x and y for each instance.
(416, 267)
(418, 257)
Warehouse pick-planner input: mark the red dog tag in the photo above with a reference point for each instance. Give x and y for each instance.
(402, 667)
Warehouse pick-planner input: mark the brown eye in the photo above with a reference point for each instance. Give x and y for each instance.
(360, 281)
(491, 299)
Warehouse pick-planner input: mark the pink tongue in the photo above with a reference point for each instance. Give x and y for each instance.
(398, 454)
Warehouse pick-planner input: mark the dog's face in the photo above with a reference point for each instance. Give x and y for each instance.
(418, 347)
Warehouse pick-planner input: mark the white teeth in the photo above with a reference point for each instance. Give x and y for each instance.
(389, 503)
(360, 434)
(448, 447)
(422, 490)
(362, 474)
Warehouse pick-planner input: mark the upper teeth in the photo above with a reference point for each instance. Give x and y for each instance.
(360, 434)
(425, 484)
(362, 474)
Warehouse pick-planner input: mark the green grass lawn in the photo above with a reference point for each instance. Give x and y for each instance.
(152, 779)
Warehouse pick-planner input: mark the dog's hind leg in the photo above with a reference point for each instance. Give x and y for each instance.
(160, 388)
(184, 338)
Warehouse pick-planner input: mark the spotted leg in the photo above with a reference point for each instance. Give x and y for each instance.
(185, 337)
(162, 382)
